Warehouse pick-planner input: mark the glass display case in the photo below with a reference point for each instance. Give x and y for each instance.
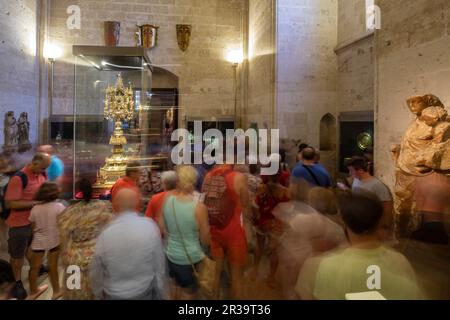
(221, 123)
(113, 121)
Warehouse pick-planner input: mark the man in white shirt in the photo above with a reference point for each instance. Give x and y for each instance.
(129, 261)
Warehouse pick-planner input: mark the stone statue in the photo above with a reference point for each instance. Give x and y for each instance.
(10, 131)
(24, 132)
(425, 150)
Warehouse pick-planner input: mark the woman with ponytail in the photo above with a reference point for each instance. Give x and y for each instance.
(79, 226)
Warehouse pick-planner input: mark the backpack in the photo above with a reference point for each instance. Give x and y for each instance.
(5, 211)
(218, 200)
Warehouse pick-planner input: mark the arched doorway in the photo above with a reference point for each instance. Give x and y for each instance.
(328, 133)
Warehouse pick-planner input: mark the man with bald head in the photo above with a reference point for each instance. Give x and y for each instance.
(129, 261)
(56, 169)
(19, 198)
(130, 181)
(309, 170)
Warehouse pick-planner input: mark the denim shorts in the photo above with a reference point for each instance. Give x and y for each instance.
(183, 275)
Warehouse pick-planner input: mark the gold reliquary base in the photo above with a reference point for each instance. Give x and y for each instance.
(115, 166)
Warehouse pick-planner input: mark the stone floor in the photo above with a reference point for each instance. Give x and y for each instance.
(432, 266)
(41, 281)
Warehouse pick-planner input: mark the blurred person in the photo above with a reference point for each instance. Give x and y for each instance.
(169, 182)
(43, 218)
(432, 195)
(317, 156)
(368, 155)
(155, 180)
(309, 232)
(284, 165)
(227, 199)
(367, 265)
(325, 201)
(268, 227)
(7, 284)
(309, 170)
(79, 226)
(186, 229)
(284, 176)
(363, 180)
(5, 175)
(145, 183)
(55, 170)
(201, 173)
(128, 261)
(301, 147)
(19, 197)
(254, 183)
(317, 160)
(130, 181)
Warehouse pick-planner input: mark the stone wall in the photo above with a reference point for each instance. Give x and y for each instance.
(355, 63)
(351, 20)
(205, 77)
(306, 68)
(356, 72)
(18, 63)
(355, 58)
(261, 66)
(413, 48)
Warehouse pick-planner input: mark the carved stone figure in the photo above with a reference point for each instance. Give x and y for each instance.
(24, 132)
(425, 150)
(183, 36)
(10, 131)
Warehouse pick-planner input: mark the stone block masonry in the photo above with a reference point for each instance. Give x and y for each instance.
(205, 77)
(18, 64)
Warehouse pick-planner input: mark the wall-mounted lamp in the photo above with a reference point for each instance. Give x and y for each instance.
(235, 56)
(52, 52)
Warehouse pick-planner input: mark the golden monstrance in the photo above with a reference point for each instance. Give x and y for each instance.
(119, 107)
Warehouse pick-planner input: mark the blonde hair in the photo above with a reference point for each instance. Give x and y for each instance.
(323, 200)
(187, 177)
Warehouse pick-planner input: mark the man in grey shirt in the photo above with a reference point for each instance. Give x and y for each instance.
(363, 180)
(129, 261)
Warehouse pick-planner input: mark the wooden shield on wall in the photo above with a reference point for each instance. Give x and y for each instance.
(183, 36)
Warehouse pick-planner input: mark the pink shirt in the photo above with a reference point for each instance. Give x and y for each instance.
(46, 235)
(15, 192)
